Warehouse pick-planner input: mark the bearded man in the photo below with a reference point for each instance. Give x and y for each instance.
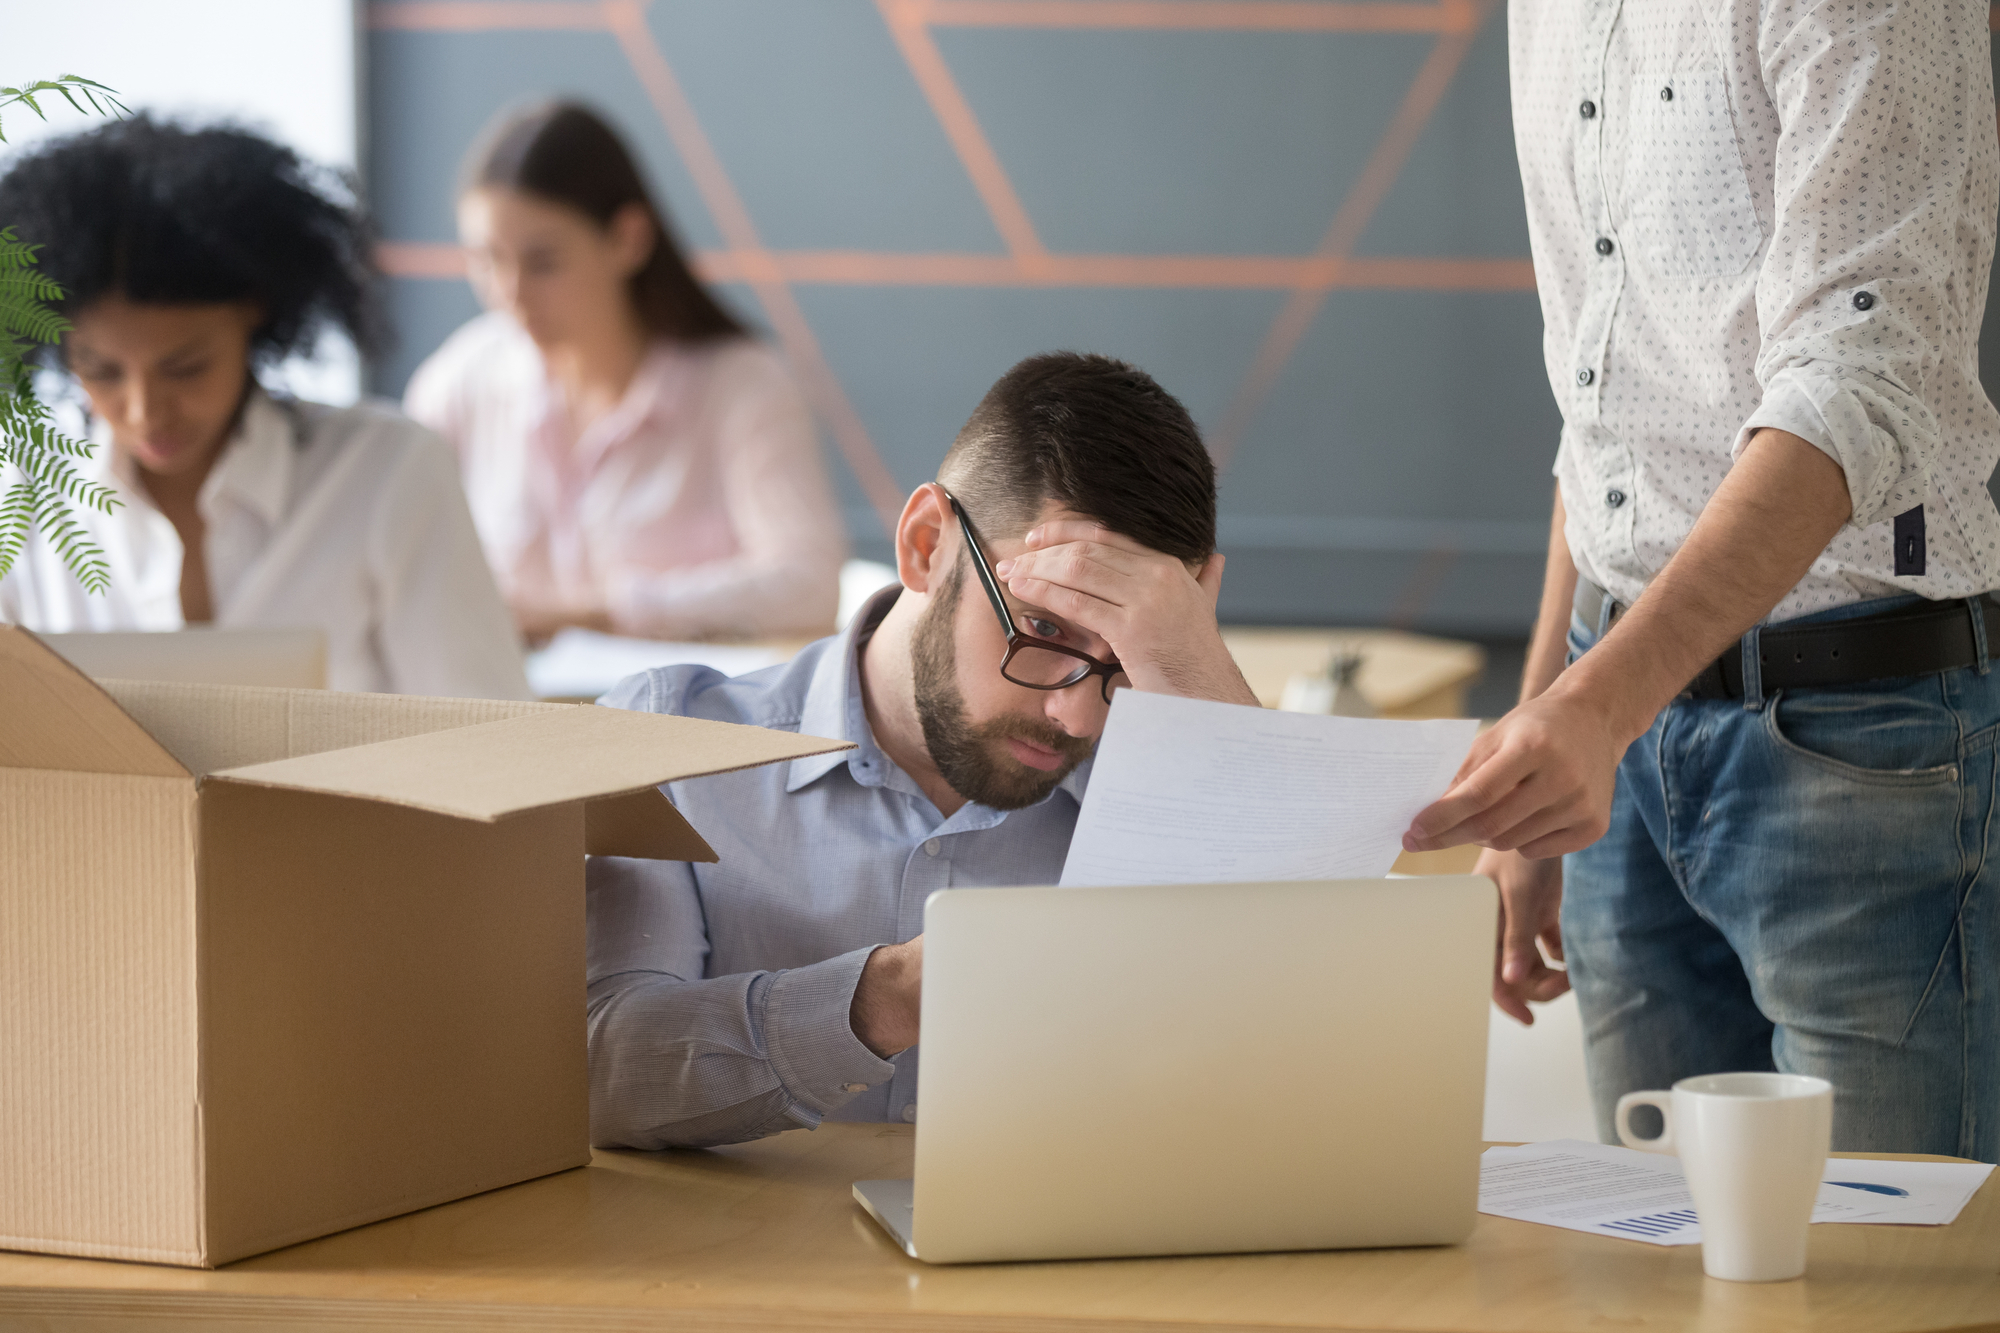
(1066, 550)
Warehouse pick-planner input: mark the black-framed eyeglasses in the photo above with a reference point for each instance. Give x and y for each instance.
(1033, 663)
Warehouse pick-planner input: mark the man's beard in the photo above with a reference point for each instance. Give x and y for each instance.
(971, 759)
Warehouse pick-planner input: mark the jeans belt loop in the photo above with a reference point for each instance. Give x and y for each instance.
(1976, 608)
(1753, 669)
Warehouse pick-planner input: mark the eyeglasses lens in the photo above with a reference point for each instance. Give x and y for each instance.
(1041, 668)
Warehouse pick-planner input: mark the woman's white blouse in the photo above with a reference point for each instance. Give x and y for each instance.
(349, 520)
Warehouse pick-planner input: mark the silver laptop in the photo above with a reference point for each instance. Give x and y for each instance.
(1197, 1069)
(295, 658)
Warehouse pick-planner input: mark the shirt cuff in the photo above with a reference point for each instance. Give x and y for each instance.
(1872, 434)
(809, 1037)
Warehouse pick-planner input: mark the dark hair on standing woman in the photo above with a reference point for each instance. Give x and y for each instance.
(164, 214)
(566, 154)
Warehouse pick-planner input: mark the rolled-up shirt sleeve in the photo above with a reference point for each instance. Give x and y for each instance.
(682, 1059)
(1863, 291)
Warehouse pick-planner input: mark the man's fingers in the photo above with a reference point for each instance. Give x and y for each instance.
(1573, 837)
(1210, 577)
(1071, 562)
(1060, 531)
(1440, 823)
(1513, 1005)
(1551, 984)
(1069, 602)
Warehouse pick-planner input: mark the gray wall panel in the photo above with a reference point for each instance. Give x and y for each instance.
(1398, 466)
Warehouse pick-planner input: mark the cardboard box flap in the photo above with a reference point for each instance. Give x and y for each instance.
(496, 769)
(53, 716)
(214, 727)
(643, 824)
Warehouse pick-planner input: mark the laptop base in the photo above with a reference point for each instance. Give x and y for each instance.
(892, 1203)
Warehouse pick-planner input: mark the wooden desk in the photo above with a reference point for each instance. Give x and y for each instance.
(1403, 675)
(766, 1236)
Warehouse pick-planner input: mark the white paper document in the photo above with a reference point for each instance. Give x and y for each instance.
(1611, 1191)
(1189, 791)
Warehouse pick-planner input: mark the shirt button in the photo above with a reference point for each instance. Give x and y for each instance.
(1614, 498)
(1587, 110)
(1667, 94)
(931, 847)
(910, 1113)
(1604, 245)
(1585, 376)
(1862, 300)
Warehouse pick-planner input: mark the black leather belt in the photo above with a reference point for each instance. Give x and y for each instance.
(1907, 641)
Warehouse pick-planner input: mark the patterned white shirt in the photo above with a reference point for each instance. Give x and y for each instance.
(1765, 213)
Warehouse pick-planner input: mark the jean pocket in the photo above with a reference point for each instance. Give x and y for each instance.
(1904, 736)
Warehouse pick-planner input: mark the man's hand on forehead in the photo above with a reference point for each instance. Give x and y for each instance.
(1157, 616)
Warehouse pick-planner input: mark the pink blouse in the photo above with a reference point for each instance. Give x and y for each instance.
(699, 506)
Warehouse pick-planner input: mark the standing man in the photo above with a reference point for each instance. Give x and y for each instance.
(1762, 233)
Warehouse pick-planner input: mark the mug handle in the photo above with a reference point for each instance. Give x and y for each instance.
(1622, 1118)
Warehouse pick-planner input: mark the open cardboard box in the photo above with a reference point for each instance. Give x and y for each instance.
(274, 963)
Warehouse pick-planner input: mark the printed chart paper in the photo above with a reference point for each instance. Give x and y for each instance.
(1190, 791)
(1612, 1191)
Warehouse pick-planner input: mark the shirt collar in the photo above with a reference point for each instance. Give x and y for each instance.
(255, 469)
(833, 708)
(833, 705)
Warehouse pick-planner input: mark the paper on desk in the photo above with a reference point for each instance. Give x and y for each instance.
(1610, 1191)
(582, 663)
(1189, 791)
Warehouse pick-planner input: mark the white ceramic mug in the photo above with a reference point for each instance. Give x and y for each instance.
(1753, 1148)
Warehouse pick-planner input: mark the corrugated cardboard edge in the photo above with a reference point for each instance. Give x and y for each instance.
(94, 734)
(477, 772)
(84, 1250)
(408, 1204)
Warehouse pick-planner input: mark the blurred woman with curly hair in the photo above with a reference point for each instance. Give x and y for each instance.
(191, 260)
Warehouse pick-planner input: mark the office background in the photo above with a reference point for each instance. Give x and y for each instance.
(1304, 217)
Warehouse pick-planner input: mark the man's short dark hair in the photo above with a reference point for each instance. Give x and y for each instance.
(1097, 435)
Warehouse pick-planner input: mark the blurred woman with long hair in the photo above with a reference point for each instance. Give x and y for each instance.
(635, 460)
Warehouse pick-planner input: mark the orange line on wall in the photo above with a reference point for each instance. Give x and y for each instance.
(864, 268)
(1140, 15)
(1185, 15)
(1384, 164)
(482, 16)
(420, 259)
(905, 21)
(627, 20)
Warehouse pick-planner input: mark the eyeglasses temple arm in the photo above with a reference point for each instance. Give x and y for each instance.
(986, 579)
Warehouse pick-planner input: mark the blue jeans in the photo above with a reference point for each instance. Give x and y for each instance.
(1801, 881)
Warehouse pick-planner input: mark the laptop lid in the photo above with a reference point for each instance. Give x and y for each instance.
(1199, 1069)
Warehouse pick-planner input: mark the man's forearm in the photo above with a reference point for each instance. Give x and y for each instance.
(1549, 648)
(1770, 519)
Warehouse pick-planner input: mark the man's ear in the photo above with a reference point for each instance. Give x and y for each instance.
(920, 534)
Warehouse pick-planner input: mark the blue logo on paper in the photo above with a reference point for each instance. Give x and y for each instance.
(1872, 1189)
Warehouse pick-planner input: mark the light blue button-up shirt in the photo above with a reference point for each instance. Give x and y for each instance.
(719, 994)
